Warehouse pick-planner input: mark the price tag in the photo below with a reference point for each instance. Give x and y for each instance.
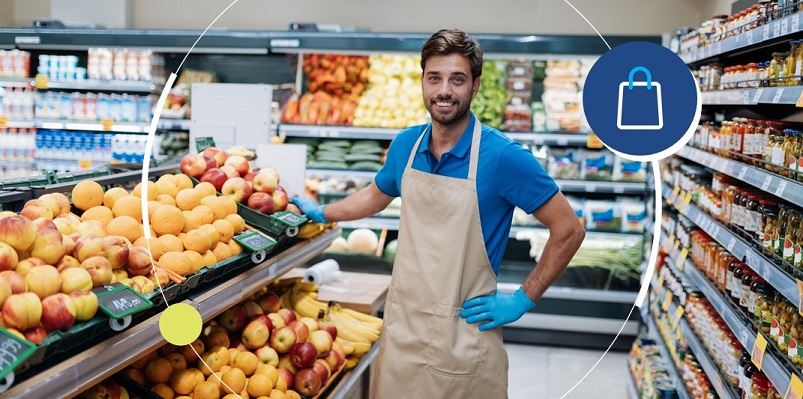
(800, 296)
(795, 390)
(742, 173)
(795, 24)
(41, 82)
(757, 95)
(731, 244)
(799, 102)
(766, 183)
(743, 336)
(106, 124)
(107, 288)
(749, 36)
(14, 351)
(3, 122)
(202, 143)
(667, 300)
(680, 262)
(668, 243)
(785, 26)
(563, 142)
(593, 141)
(746, 97)
(780, 188)
(678, 314)
(674, 195)
(765, 35)
(776, 29)
(122, 302)
(290, 218)
(254, 240)
(759, 347)
(777, 98)
(687, 201)
(84, 164)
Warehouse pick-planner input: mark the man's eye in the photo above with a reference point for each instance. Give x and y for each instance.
(434, 79)
(458, 80)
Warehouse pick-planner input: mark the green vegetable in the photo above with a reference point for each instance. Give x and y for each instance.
(489, 105)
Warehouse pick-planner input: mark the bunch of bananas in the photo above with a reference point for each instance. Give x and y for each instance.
(311, 229)
(356, 331)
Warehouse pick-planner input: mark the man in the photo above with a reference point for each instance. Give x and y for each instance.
(460, 182)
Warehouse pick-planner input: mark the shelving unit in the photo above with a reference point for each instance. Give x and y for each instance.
(92, 126)
(766, 95)
(80, 372)
(671, 369)
(632, 391)
(99, 85)
(20, 124)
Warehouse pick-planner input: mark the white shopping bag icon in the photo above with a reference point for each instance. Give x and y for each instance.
(640, 106)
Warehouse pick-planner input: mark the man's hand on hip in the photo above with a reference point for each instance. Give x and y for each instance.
(499, 308)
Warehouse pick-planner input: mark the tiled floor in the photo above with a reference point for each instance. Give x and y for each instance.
(538, 372)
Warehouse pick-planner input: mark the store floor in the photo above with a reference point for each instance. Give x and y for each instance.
(538, 372)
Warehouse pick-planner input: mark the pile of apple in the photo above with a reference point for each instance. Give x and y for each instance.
(107, 389)
(233, 177)
(257, 348)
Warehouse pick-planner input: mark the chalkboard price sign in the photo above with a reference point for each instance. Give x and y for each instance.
(255, 241)
(202, 143)
(122, 302)
(290, 218)
(106, 288)
(13, 351)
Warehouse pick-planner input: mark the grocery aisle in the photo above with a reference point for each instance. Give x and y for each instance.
(549, 372)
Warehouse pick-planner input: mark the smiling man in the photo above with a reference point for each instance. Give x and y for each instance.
(460, 182)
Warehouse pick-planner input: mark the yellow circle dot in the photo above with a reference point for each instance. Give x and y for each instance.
(180, 324)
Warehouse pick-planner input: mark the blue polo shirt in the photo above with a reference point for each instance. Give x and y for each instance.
(508, 176)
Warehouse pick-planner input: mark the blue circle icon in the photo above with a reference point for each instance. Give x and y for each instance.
(642, 101)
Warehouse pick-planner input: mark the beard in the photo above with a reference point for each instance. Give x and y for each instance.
(448, 118)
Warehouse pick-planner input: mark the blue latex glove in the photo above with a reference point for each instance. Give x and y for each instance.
(311, 209)
(499, 308)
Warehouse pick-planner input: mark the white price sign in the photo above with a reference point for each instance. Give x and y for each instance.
(743, 334)
(780, 188)
(777, 98)
(766, 34)
(742, 173)
(767, 181)
(757, 95)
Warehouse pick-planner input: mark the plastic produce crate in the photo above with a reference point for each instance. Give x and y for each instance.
(14, 200)
(34, 181)
(82, 175)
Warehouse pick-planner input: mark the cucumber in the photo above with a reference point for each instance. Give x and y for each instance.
(366, 165)
(363, 158)
(367, 150)
(329, 157)
(339, 143)
(332, 148)
(328, 165)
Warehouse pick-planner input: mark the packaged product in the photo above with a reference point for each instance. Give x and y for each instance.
(633, 215)
(521, 218)
(597, 165)
(518, 83)
(578, 204)
(563, 68)
(518, 118)
(520, 68)
(603, 215)
(564, 163)
(630, 171)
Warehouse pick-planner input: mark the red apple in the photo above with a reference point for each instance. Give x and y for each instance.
(277, 320)
(99, 268)
(333, 359)
(86, 304)
(303, 354)
(265, 183)
(210, 162)
(287, 375)
(263, 318)
(255, 335)
(234, 319)
(58, 312)
(322, 342)
(219, 155)
(249, 177)
(328, 327)
(8, 257)
(267, 355)
(237, 189)
(293, 208)
(35, 335)
(15, 280)
(216, 177)
(307, 382)
(269, 302)
(322, 368)
(193, 165)
(18, 232)
(301, 329)
(229, 171)
(261, 202)
(239, 163)
(288, 315)
(280, 199)
(253, 309)
(282, 339)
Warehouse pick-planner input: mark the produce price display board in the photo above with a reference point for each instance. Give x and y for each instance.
(290, 218)
(13, 351)
(254, 240)
(121, 302)
(202, 143)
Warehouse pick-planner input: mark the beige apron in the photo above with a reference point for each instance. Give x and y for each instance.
(427, 350)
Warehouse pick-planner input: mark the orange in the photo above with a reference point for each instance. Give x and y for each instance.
(234, 380)
(128, 205)
(87, 194)
(187, 199)
(135, 375)
(198, 241)
(235, 248)
(237, 223)
(191, 221)
(184, 181)
(232, 354)
(113, 195)
(177, 361)
(100, 213)
(206, 390)
(206, 189)
(229, 205)
(166, 199)
(167, 220)
(246, 361)
(291, 394)
(177, 262)
(164, 391)
(281, 384)
(209, 258)
(277, 394)
(152, 191)
(157, 247)
(143, 361)
(221, 251)
(185, 381)
(159, 370)
(214, 235)
(205, 214)
(225, 229)
(259, 385)
(171, 243)
(196, 260)
(125, 226)
(269, 371)
(152, 205)
(167, 187)
(217, 207)
(181, 237)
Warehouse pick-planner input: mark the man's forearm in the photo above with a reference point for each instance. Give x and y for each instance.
(364, 203)
(558, 251)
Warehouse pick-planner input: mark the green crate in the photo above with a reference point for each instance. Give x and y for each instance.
(14, 200)
(33, 181)
(82, 175)
(229, 266)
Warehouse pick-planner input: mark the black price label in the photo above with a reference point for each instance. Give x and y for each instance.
(202, 143)
(122, 302)
(255, 241)
(106, 288)
(290, 218)
(13, 351)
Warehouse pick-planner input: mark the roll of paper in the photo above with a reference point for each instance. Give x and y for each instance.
(322, 272)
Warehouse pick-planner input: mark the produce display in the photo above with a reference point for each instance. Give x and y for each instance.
(489, 104)
(279, 343)
(108, 389)
(359, 241)
(394, 97)
(562, 94)
(343, 154)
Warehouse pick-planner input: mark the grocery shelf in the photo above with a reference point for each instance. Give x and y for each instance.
(788, 95)
(355, 376)
(590, 186)
(78, 373)
(789, 190)
(16, 82)
(341, 173)
(94, 126)
(723, 389)
(759, 37)
(174, 124)
(20, 124)
(671, 368)
(344, 132)
(632, 391)
(101, 85)
(589, 233)
(550, 138)
(767, 269)
(372, 223)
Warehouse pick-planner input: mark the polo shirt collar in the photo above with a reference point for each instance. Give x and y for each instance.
(460, 149)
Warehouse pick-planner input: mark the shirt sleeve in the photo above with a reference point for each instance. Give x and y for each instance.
(388, 178)
(528, 186)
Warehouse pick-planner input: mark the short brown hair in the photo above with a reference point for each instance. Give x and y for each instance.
(454, 41)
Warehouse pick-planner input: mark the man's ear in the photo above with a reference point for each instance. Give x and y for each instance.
(475, 87)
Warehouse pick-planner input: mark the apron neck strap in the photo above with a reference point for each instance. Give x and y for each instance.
(476, 134)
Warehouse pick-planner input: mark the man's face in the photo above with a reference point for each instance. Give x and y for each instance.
(448, 88)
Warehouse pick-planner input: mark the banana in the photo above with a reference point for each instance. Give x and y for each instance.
(351, 332)
(361, 349)
(308, 287)
(344, 317)
(286, 301)
(348, 346)
(351, 363)
(365, 318)
(305, 305)
(310, 230)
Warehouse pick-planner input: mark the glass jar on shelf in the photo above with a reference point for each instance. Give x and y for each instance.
(777, 69)
(758, 286)
(789, 69)
(768, 214)
(765, 301)
(736, 287)
(751, 215)
(749, 140)
(789, 166)
(744, 296)
(759, 384)
(790, 234)
(780, 228)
